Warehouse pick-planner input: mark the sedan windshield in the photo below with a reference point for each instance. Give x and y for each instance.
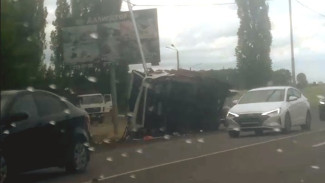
(260, 96)
(91, 99)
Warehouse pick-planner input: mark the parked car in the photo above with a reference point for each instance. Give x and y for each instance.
(40, 129)
(321, 108)
(96, 105)
(269, 108)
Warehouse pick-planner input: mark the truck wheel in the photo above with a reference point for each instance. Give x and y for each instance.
(233, 134)
(259, 132)
(101, 120)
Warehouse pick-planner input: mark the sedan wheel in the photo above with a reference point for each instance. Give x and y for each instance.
(80, 156)
(287, 124)
(78, 159)
(258, 132)
(308, 122)
(3, 169)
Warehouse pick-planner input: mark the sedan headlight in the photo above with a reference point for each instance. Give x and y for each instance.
(271, 113)
(232, 115)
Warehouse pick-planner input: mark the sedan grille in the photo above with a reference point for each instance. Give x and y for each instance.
(92, 110)
(250, 120)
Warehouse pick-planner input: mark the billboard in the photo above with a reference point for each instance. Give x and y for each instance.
(112, 39)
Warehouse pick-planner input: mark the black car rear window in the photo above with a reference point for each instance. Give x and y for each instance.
(48, 104)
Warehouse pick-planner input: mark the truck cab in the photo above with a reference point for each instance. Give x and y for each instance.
(96, 105)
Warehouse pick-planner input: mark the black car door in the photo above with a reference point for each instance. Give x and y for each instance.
(21, 140)
(53, 116)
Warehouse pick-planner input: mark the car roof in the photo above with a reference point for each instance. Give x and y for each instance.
(271, 88)
(15, 92)
(10, 92)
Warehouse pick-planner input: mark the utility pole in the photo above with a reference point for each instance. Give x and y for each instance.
(114, 98)
(292, 48)
(138, 37)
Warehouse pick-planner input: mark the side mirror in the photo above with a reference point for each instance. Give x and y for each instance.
(235, 102)
(107, 98)
(292, 98)
(18, 117)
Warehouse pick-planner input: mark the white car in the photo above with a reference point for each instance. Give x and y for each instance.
(269, 108)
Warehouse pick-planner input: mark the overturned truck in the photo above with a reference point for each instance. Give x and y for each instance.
(176, 101)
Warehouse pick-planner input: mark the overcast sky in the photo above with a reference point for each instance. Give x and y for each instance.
(206, 34)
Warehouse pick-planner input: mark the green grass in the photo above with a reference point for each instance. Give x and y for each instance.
(311, 93)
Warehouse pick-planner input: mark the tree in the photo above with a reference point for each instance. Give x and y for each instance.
(254, 41)
(302, 80)
(22, 42)
(76, 77)
(229, 76)
(62, 12)
(281, 77)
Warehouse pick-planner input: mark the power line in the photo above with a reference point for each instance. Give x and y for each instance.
(186, 5)
(323, 15)
(214, 4)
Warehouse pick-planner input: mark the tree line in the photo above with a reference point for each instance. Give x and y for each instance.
(23, 42)
(281, 77)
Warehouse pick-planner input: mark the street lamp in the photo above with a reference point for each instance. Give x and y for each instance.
(172, 46)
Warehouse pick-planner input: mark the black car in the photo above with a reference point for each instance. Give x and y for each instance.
(39, 129)
(322, 108)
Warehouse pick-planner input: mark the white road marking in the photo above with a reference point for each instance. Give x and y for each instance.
(320, 144)
(207, 155)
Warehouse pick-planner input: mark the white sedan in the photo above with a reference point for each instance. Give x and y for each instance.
(269, 108)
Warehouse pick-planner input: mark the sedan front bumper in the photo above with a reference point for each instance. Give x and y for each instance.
(249, 122)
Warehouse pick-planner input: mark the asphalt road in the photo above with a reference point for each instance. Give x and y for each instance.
(205, 157)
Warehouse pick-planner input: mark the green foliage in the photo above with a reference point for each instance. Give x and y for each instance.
(311, 92)
(62, 12)
(254, 41)
(22, 42)
(281, 77)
